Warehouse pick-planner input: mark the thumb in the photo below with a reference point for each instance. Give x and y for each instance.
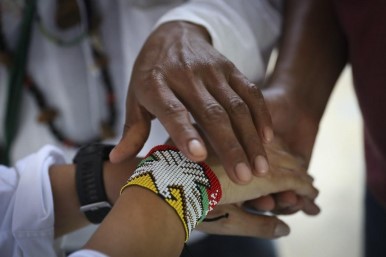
(135, 133)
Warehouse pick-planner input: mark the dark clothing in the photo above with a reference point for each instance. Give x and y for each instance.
(230, 246)
(375, 228)
(364, 24)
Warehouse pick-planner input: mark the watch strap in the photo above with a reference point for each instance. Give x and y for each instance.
(89, 181)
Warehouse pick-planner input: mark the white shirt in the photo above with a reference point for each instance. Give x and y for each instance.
(27, 211)
(243, 31)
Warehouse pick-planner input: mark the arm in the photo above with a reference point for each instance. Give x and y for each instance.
(190, 64)
(147, 232)
(66, 204)
(312, 54)
(133, 228)
(39, 198)
(68, 217)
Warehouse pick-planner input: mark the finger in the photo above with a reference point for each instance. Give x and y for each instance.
(243, 223)
(280, 157)
(274, 182)
(163, 104)
(285, 200)
(297, 182)
(133, 138)
(242, 122)
(289, 203)
(289, 208)
(215, 123)
(252, 95)
(310, 207)
(264, 203)
(135, 132)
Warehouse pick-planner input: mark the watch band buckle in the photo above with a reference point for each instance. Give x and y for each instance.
(95, 206)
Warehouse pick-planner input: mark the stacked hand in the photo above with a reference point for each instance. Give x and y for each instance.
(178, 73)
(286, 176)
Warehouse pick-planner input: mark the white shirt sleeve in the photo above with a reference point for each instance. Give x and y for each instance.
(26, 205)
(87, 253)
(244, 31)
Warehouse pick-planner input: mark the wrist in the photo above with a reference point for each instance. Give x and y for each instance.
(190, 188)
(194, 31)
(90, 181)
(115, 176)
(284, 97)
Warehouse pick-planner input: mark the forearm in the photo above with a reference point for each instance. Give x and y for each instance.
(166, 197)
(68, 216)
(138, 229)
(312, 54)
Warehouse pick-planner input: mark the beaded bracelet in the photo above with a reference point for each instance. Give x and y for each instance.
(190, 188)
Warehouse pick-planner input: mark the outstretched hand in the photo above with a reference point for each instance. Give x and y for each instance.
(286, 175)
(177, 74)
(287, 178)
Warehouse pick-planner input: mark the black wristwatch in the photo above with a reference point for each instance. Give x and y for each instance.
(89, 181)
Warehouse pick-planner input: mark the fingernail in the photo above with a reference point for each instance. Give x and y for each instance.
(268, 134)
(281, 230)
(196, 148)
(243, 173)
(261, 164)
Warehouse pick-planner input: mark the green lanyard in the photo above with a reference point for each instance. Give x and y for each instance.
(15, 84)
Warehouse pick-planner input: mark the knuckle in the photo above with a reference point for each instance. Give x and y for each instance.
(173, 109)
(211, 68)
(185, 66)
(255, 91)
(214, 113)
(156, 73)
(229, 65)
(150, 80)
(182, 71)
(238, 107)
(260, 104)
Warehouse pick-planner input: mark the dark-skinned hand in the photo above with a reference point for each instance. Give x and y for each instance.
(178, 74)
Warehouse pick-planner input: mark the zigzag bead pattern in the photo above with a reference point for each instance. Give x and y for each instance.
(191, 189)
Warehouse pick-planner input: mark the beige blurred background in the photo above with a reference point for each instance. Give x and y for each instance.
(338, 168)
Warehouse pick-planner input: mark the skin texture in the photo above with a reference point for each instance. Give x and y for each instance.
(242, 220)
(66, 204)
(288, 102)
(139, 231)
(312, 54)
(179, 72)
(144, 230)
(285, 175)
